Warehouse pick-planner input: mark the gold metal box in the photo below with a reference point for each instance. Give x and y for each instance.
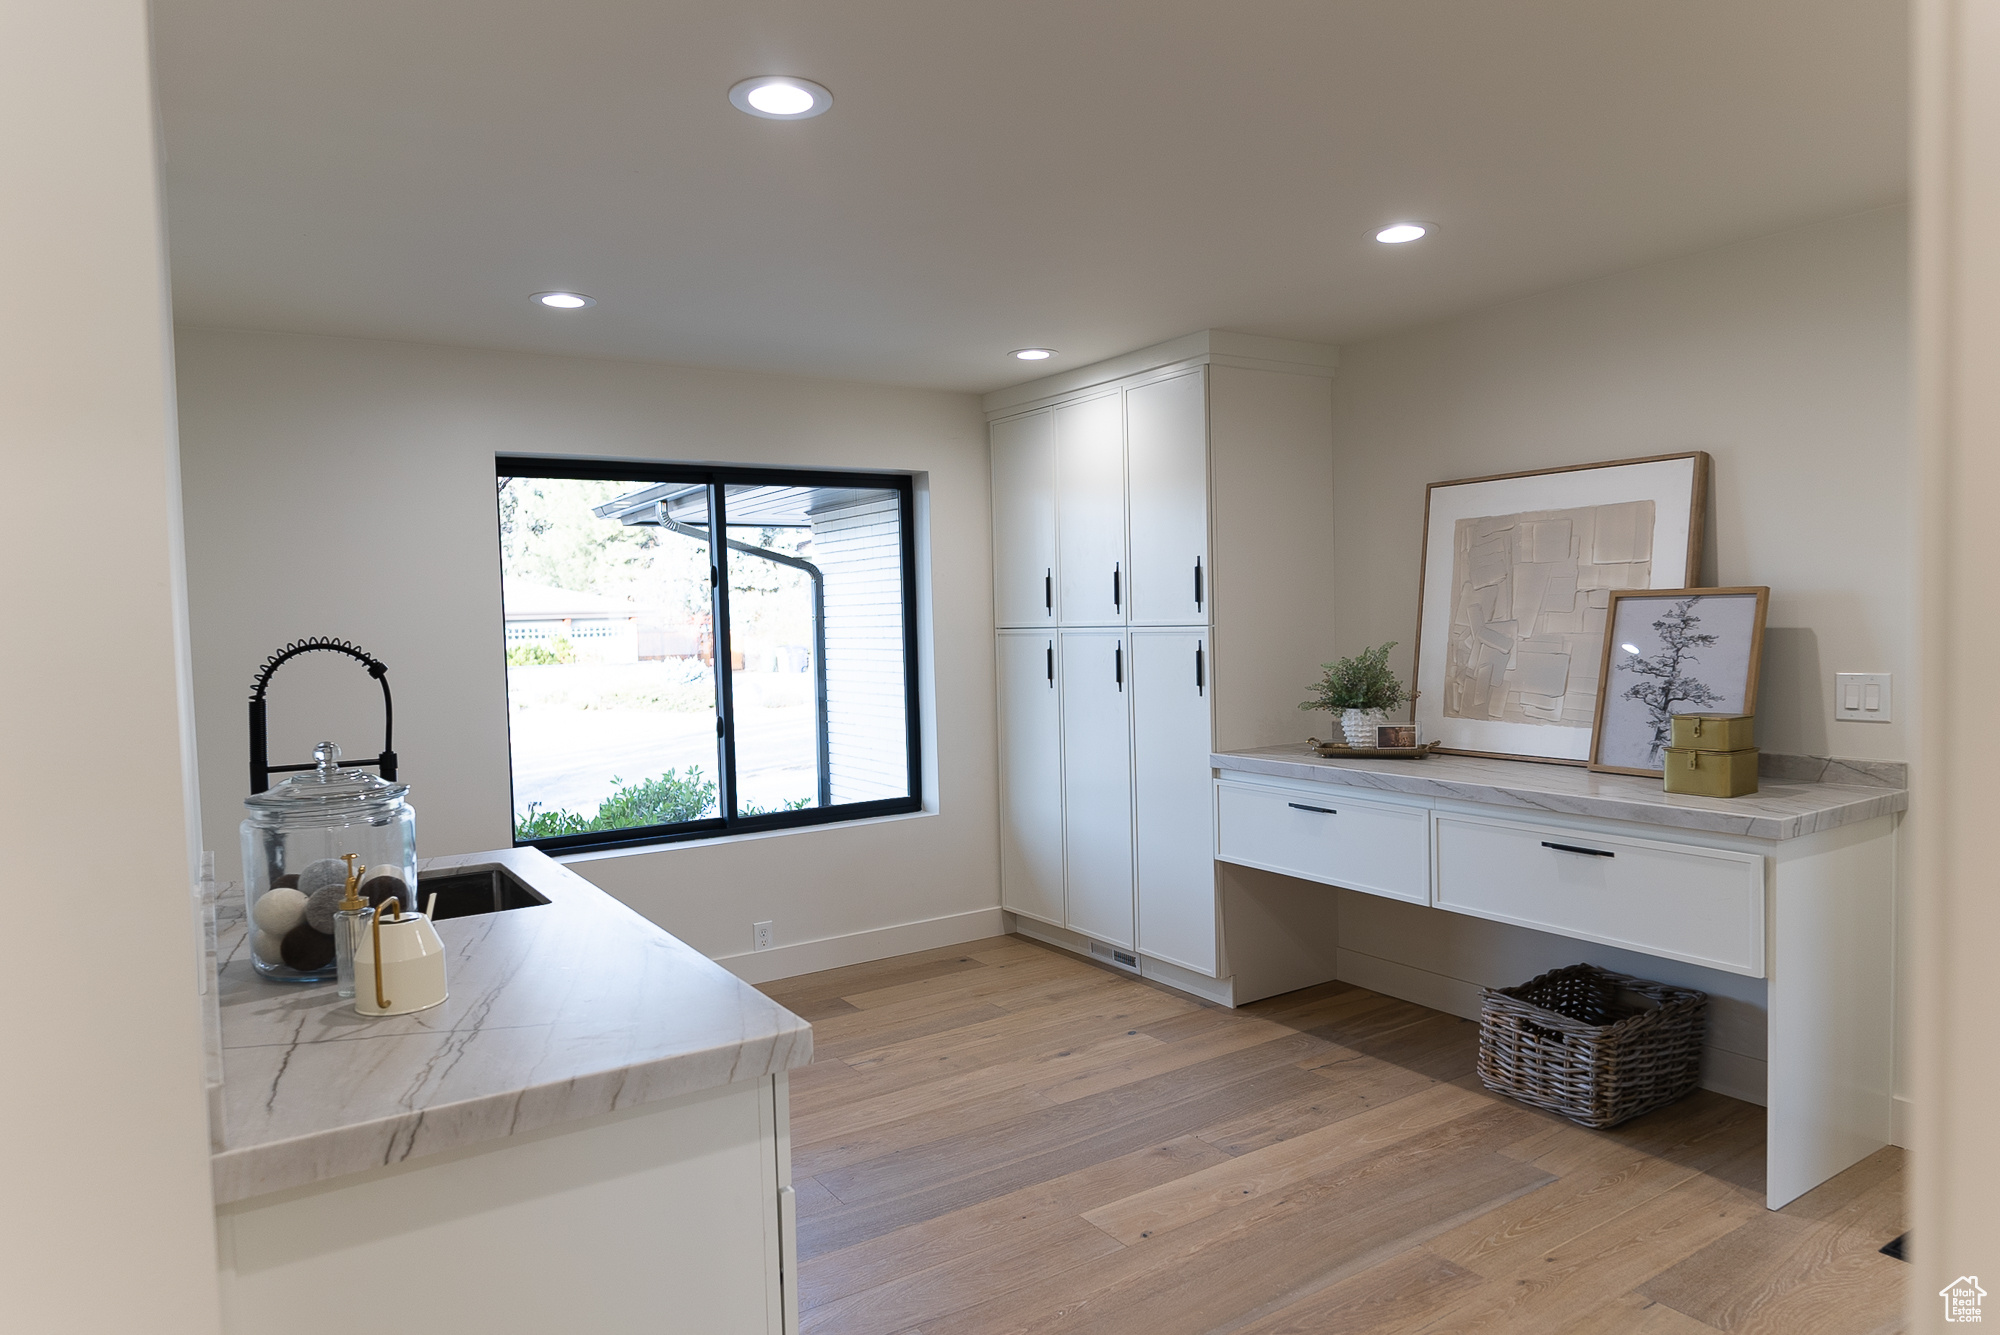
(1711, 773)
(1713, 732)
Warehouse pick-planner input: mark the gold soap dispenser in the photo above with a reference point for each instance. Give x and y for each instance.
(350, 923)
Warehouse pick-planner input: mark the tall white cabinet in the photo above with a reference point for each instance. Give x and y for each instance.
(1167, 480)
(1162, 546)
(1097, 786)
(1031, 794)
(1024, 519)
(1173, 881)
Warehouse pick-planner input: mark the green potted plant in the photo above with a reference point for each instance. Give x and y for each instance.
(1362, 690)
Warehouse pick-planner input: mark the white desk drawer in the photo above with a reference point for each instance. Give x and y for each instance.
(1701, 905)
(1326, 836)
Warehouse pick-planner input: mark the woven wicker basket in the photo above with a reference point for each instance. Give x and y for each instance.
(1598, 1047)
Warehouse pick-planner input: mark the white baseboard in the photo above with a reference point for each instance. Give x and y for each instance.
(1725, 1072)
(1736, 1075)
(1900, 1113)
(1221, 991)
(1453, 996)
(1218, 990)
(832, 952)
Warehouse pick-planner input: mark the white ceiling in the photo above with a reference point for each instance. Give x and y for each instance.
(1094, 176)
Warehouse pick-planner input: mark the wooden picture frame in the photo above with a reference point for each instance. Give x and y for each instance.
(1728, 694)
(1671, 490)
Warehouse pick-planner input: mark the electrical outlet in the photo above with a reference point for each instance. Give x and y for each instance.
(1861, 697)
(762, 931)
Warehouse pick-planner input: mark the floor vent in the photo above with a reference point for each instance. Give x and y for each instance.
(1124, 959)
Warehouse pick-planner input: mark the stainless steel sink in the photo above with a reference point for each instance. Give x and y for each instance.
(465, 891)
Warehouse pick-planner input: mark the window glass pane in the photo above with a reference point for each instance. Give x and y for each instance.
(610, 658)
(841, 547)
(773, 642)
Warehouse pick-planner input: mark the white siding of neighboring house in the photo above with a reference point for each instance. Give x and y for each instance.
(859, 547)
(593, 639)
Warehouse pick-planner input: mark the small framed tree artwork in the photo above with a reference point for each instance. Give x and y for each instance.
(1667, 652)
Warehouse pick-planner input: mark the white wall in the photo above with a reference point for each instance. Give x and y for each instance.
(104, 1190)
(345, 487)
(1786, 358)
(1955, 1169)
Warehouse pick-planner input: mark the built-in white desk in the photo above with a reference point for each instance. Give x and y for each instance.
(1794, 885)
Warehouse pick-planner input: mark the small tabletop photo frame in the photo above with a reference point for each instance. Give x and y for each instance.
(1667, 652)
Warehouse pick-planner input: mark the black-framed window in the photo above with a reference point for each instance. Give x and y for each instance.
(664, 685)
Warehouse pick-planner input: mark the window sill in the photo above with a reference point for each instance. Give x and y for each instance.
(735, 837)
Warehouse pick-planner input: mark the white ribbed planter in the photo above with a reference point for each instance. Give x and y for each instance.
(1358, 725)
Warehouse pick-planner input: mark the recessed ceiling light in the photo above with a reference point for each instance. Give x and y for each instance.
(1034, 354)
(780, 98)
(1396, 234)
(565, 301)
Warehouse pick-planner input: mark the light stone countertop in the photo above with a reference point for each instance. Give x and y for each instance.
(557, 1012)
(1781, 809)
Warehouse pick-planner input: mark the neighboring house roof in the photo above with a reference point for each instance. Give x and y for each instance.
(528, 601)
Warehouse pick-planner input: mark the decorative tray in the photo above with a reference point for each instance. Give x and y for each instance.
(1336, 750)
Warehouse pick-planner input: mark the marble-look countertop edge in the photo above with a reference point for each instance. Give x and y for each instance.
(246, 1172)
(1829, 806)
(776, 1041)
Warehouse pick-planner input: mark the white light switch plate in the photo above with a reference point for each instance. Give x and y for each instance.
(1861, 697)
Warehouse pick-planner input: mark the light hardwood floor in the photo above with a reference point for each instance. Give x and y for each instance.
(1001, 1138)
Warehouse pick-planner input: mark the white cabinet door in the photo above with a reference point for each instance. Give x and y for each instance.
(1090, 511)
(1024, 520)
(1171, 822)
(1166, 464)
(1097, 783)
(1031, 816)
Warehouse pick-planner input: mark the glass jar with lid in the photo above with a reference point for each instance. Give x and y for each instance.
(296, 838)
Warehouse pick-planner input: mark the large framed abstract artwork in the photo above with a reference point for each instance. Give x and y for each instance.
(1673, 651)
(1516, 593)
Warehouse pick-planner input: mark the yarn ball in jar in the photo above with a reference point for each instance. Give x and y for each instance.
(289, 881)
(307, 949)
(384, 881)
(268, 948)
(321, 906)
(321, 874)
(279, 911)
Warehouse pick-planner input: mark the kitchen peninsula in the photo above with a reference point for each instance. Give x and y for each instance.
(589, 1134)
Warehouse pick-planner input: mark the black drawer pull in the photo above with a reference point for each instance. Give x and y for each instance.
(1572, 848)
(1324, 811)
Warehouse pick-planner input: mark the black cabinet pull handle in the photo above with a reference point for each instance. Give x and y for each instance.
(1118, 664)
(1049, 590)
(1199, 684)
(1572, 848)
(1324, 811)
(1052, 664)
(1197, 583)
(1116, 599)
